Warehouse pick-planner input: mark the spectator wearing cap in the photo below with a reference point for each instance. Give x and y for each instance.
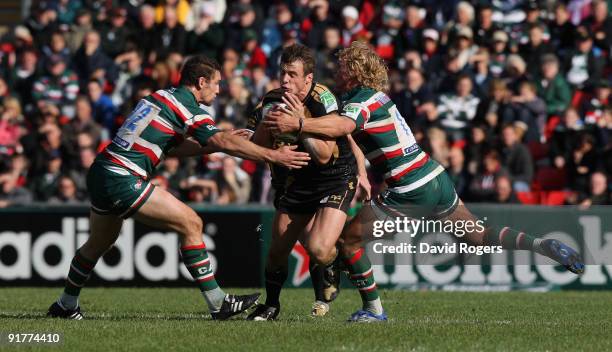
(327, 57)
(593, 109)
(552, 87)
(485, 26)
(561, 30)
(465, 46)
(532, 18)
(180, 7)
(91, 61)
(170, 35)
(534, 49)
(282, 20)
(456, 110)
(352, 29)
(600, 24)
(115, 33)
(314, 26)
(242, 17)
(252, 55)
(411, 34)
(464, 18)
(385, 37)
(584, 64)
(499, 53)
(516, 159)
(431, 56)
(42, 22)
(77, 30)
(207, 37)
(60, 87)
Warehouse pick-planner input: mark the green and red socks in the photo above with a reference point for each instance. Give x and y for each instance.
(198, 263)
(80, 270)
(362, 277)
(512, 239)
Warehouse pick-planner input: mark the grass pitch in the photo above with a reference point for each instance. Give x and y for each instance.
(176, 319)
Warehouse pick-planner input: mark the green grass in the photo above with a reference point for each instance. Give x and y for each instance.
(175, 319)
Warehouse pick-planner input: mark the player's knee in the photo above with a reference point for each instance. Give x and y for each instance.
(193, 226)
(322, 254)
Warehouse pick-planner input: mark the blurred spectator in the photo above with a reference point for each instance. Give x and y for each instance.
(83, 122)
(499, 53)
(115, 33)
(504, 193)
(60, 87)
(66, 192)
(598, 191)
(274, 26)
(171, 35)
(327, 58)
(561, 30)
(600, 23)
(55, 48)
(582, 162)
(104, 111)
(527, 112)
(78, 174)
(45, 185)
(485, 27)
(516, 159)
(416, 102)
(234, 183)
(593, 109)
(552, 87)
(77, 31)
(352, 29)
(23, 75)
(145, 33)
(237, 105)
(457, 110)
(130, 75)
(90, 61)
(11, 123)
(318, 21)
(584, 64)
(482, 187)
(476, 148)
(457, 170)
(412, 31)
(207, 37)
(387, 35)
(179, 7)
(11, 191)
(533, 51)
(438, 143)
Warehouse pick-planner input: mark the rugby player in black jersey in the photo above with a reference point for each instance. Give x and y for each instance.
(311, 205)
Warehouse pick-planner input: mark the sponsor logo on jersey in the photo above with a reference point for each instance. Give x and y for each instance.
(412, 149)
(121, 142)
(329, 101)
(352, 110)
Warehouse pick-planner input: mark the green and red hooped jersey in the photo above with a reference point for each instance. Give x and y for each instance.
(386, 140)
(159, 122)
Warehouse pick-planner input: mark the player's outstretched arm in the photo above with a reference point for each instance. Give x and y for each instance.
(238, 146)
(191, 147)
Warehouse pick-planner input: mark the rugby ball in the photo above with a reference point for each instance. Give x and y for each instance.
(283, 137)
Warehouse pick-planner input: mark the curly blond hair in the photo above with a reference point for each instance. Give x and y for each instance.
(365, 66)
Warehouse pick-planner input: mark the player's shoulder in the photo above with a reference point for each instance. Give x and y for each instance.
(322, 96)
(361, 94)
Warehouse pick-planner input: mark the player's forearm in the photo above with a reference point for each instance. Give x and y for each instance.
(321, 151)
(240, 147)
(330, 126)
(190, 147)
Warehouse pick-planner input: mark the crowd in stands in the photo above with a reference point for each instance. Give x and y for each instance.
(512, 97)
